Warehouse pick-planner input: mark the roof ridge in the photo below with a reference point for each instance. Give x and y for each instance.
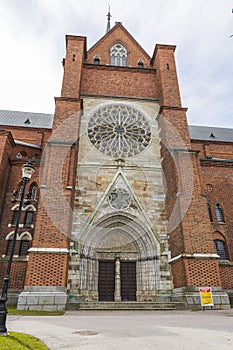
(119, 24)
(10, 110)
(212, 126)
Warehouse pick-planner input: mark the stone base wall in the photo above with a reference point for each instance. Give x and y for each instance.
(190, 296)
(12, 297)
(154, 296)
(43, 298)
(230, 294)
(142, 296)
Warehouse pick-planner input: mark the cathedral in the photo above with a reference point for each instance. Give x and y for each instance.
(129, 206)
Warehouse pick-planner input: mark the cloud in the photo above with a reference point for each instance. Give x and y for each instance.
(32, 35)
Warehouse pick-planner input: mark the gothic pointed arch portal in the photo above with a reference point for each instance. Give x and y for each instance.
(133, 254)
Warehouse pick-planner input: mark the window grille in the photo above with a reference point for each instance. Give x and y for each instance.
(219, 213)
(118, 55)
(29, 215)
(24, 246)
(220, 248)
(9, 246)
(14, 217)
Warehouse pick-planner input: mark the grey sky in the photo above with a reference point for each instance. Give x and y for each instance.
(32, 34)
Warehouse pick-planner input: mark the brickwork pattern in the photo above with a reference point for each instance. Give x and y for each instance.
(34, 136)
(119, 81)
(217, 183)
(221, 180)
(164, 61)
(202, 272)
(215, 149)
(226, 276)
(18, 273)
(178, 273)
(19, 267)
(193, 231)
(6, 147)
(55, 273)
(75, 52)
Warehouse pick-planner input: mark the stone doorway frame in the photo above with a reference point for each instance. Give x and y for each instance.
(144, 249)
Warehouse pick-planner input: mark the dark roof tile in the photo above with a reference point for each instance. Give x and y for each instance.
(210, 133)
(26, 119)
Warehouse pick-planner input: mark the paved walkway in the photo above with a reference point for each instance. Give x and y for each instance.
(130, 330)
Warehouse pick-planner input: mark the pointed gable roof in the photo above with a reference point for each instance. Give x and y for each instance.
(103, 208)
(118, 34)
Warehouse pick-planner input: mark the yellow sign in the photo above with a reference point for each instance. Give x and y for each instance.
(206, 296)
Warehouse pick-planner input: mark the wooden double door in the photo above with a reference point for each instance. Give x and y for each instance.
(107, 283)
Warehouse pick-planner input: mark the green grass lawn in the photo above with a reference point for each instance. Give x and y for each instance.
(13, 311)
(20, 341)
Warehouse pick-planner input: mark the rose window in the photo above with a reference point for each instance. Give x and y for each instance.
(119, 131)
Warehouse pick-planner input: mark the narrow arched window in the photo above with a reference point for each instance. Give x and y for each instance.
(9, 246)
(20, 192)
(220, 248)
(29, 216)
(140, 64)
(118, 55)
(31, 195)
(10, 239)
(210, 212)
(14, 217)
(24, 246)
(34, 192)
(219, 213)
(25, 243)
(96, 59)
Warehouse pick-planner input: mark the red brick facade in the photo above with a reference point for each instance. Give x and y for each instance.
(216, 174)
(191, 240)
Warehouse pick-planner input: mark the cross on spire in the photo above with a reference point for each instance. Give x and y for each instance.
(109, 17)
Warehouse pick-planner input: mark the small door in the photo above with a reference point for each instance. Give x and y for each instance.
(106, 280)
(128, 281)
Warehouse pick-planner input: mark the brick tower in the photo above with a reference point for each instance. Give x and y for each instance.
(194, 261)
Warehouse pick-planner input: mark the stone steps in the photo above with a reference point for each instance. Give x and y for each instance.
(72, 306)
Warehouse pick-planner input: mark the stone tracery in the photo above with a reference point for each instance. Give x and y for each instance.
(119, 131)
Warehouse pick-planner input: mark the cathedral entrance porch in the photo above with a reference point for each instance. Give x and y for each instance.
(119, 260)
